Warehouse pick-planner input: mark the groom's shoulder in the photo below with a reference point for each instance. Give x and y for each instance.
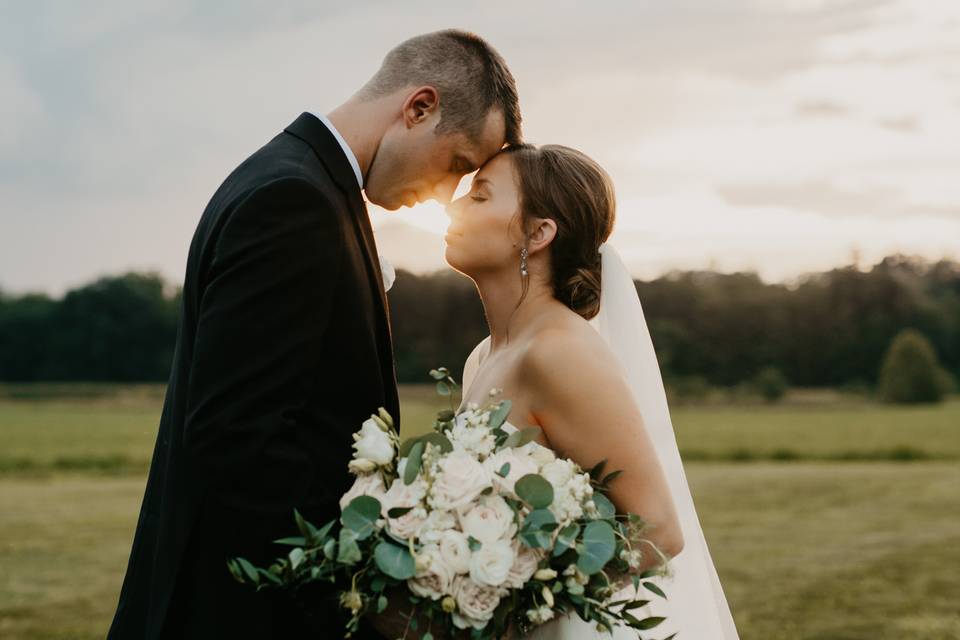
(285, 157)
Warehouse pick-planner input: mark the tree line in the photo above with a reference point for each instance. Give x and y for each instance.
(825, 329)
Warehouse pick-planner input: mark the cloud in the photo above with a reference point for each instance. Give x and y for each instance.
(119, 120)
(825, 198)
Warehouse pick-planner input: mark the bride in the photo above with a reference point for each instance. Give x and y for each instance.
(569, 347)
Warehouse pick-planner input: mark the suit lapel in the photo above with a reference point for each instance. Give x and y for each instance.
(309, 129)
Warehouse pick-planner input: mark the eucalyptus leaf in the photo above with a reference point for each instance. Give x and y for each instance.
(499, 415)
(405, 447)
(597, 548)
(394, 560)
(532, 533)
(522, 437)
(566, 538)
(438, 440)
(348, 551)
(414, 462)
(443, 388)
(504, 471)
(297, 541)
(536, 490)
(399, 512)
(604, 506)
(361, 515)
(328, 548)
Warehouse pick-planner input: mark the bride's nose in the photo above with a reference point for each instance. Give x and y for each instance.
(453, 209)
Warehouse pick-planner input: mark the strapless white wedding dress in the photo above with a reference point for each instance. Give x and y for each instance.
(696, 607)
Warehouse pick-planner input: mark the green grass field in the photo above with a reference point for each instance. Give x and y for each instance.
(807, 549)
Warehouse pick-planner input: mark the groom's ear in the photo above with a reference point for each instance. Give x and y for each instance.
(420, 105)
(543, 232)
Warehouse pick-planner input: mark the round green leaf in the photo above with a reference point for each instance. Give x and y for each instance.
(604, 506)
(361, 516)
(535, 489)
(533, 533)
(598, 547)
(394, 560)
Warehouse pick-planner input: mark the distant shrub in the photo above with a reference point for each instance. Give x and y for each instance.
(771, 384)
(910, 372)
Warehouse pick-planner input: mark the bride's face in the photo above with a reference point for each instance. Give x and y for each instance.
(484, 230)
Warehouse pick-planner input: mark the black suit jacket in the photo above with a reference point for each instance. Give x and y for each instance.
(283, 349)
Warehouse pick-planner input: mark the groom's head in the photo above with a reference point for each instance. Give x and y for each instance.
(452, 103)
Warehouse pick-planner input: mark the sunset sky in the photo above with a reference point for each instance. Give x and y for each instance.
(780, 136)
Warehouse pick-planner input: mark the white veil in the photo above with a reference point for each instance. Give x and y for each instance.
(696, 608)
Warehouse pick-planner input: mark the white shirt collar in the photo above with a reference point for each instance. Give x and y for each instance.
(343, 144)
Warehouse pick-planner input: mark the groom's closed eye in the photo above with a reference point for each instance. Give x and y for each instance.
(462, 165)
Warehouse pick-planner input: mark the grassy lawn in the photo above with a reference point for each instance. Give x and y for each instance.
(115, 432)
(807, 550)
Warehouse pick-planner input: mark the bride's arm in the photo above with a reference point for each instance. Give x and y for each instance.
(579, 397)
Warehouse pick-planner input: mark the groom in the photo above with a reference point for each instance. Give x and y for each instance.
(284, 342)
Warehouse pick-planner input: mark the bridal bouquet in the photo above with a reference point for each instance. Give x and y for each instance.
(479, 528)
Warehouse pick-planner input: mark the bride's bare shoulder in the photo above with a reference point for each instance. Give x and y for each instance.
(566, 348)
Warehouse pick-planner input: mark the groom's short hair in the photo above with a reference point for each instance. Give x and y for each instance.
(469, 74)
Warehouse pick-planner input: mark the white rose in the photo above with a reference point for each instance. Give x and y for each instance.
(436, 523)
(373, 443)
(491, 563)
(368, 485)
(435, 579)
(540, 454)
(455, 550)
(401, 496)
(475, 603)
(520, 465)
(524, 566)
(459, 480)
(558, 473)
(489, 520)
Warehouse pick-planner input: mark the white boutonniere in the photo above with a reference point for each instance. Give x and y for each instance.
(388, 272)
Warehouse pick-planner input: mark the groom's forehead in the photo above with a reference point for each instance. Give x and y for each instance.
(492, 136)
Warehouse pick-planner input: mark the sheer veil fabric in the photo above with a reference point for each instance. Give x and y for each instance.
(696, 607)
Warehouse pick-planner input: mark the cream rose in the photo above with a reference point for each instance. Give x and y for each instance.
(455, 550)
(435, 579)
(490, 564)
(475, 603)
(459, 480)
(401, 496)
(524, 566)
(489, 520)
(373, 443)
(520, 465)
(369, 485)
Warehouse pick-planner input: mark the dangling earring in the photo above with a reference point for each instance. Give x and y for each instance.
(523, 262)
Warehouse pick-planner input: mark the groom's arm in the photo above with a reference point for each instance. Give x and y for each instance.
(263, 313)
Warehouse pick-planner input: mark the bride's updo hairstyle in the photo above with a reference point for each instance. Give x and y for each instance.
(566, 186)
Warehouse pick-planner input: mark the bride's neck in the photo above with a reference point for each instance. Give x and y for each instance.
(500, 294)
